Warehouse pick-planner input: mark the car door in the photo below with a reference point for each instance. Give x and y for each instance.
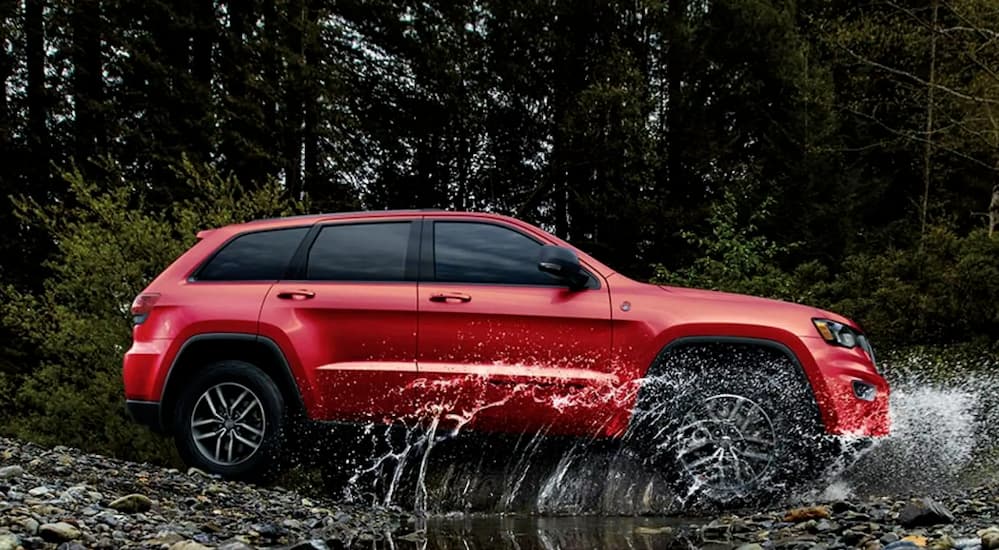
(502, 345)
(348, 317)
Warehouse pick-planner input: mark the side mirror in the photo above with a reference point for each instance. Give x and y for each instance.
(563, 264)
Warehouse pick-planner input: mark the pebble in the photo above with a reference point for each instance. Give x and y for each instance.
(131, 504)
(55, 499)
(11, 471)
(59, 531)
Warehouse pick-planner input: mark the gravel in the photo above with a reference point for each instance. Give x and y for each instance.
(67, 499)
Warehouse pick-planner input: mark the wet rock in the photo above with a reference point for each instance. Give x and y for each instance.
(902, 545)
(188, 545)
(314, 544)
(9, 542)
(132, 504)
(58, 532)
(11, 471)
(39, 491)
(942, 543)
(30, 525)
(752, 546)
(924, 512)
(989, 538)
(798, 515)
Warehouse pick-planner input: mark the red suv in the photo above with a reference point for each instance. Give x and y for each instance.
(490, 324)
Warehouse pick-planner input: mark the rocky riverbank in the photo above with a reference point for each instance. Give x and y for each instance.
(64, 498)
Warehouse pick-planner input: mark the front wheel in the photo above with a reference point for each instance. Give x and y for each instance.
(231, 422)
(731, 425)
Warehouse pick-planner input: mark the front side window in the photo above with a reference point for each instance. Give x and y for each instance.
(260, 256)
(360, 252)
(485, 253)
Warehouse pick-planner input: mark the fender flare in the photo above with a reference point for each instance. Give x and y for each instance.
(282, 371)
(775, 345)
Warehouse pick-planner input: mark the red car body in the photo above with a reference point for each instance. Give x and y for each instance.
(488, 357)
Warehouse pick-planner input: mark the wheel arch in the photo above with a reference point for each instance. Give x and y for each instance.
(203, 349)
(800, 367)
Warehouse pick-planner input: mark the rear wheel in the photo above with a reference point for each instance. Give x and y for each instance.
(231, 421)
(732, 425)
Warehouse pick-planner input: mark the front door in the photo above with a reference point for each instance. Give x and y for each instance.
(503, 346)
(349, 319)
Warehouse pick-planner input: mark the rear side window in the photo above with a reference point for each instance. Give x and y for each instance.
(471, 252)
(360, 252)
(261, 256)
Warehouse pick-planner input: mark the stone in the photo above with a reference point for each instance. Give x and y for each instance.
(924, 512)
(798, 515)
(314, 544)
(990, 538)
(942, 543)
(39, 491)
(187, 545)
(752, 546)
(131, 504)
(641, 530)
(11, 471)
(901, 545)
(30, 525)
(9, 542)
(58, 532)
(234, 545)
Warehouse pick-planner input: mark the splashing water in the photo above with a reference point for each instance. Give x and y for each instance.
(944, 436)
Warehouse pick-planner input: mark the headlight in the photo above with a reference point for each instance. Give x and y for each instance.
(839, 334)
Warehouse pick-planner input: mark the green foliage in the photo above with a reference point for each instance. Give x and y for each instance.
(947, 290)
(108, 248)
(735, 257)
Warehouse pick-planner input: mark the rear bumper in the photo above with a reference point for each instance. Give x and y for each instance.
(146, 413)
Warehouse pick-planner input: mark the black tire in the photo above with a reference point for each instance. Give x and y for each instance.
(269, 417)
(710, 401)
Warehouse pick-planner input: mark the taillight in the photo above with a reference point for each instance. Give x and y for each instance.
(142, 305)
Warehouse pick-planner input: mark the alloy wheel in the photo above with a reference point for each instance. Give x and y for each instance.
(228, 423)
(726, 443)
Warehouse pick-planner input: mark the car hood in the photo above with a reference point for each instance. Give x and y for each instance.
(743, 301)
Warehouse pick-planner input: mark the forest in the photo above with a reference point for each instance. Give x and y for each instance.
(838, 153)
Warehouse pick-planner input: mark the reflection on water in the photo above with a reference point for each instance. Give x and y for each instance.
(545, 533)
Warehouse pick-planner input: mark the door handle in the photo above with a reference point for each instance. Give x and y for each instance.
(450, 297)
(296, 295)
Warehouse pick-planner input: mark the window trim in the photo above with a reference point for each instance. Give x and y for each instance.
(428, 260)
(193, 277)
(298, 266)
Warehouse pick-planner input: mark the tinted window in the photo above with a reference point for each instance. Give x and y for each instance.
(261, 256)
(360, 252)
(485, 253)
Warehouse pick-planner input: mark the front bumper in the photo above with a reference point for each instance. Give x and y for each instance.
(852, 396)
(146, 413)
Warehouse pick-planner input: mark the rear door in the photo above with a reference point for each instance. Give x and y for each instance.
(348, 315)
(501, 344)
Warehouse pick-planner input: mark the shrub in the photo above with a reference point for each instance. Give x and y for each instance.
(109, 245)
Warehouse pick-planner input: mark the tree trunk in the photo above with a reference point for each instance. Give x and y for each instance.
(34, 31)
(88, 81)
(994, 207)
(928, 150)
(293, 116)
(311, 178)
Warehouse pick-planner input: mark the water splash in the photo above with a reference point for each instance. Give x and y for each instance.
(945, 430)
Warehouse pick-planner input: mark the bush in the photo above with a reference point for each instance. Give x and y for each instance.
(945, 290)
(109, 246)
